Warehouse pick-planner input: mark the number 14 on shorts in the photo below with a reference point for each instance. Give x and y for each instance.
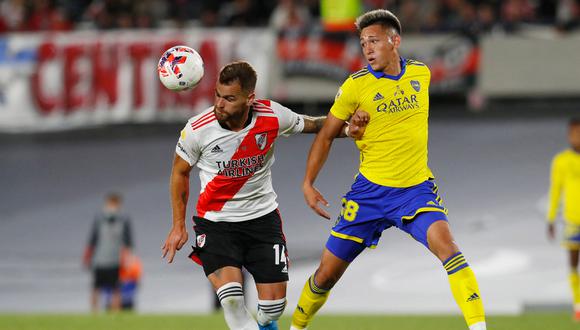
(279, 254)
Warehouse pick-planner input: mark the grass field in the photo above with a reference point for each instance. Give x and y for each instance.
(537, 321)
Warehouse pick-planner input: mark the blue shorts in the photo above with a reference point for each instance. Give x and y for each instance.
(571, 237)
(369, 208)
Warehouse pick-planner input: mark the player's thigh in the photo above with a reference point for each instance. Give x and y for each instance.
(573, 257)
(265, 253)
(267, 262)
(440, 240)
(432, 230)
(106, 278)
(271, 291)
(225, 275)
(571, 241)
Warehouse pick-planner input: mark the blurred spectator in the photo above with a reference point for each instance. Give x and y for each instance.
(110, 241)
(241, 13)
(182, 11)
(290, 15)
(339, 16)
(424, 16)
(516, 12)
(410, 13)
(130, 276)
(567, 14)
(486, 17)
(44, 15)
(12, 15)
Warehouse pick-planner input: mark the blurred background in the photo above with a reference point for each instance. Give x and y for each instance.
(82, 113)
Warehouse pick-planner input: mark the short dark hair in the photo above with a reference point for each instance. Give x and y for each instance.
(378, 16)
(574, 121)
(242, 72)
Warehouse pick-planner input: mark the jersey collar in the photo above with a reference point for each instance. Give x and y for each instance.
(379, 74)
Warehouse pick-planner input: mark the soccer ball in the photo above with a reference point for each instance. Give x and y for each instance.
(180, 68)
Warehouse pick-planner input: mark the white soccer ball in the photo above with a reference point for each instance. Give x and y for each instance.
(180, 68)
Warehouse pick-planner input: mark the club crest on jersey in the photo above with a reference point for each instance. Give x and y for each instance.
(261, 140)
(200, 240)
(416, 85)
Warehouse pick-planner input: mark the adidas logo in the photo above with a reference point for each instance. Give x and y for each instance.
(216, 149)
(285, 269)
(378, 97)
(300, 309)
(473, 297)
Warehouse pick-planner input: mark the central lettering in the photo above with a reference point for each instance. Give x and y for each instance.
(236, 168)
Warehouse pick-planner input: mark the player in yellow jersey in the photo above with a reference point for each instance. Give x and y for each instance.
(394, 186)
(565, 187)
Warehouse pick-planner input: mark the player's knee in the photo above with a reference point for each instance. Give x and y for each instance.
(231, 296)
(325, 279)
(441, 241)
(231, 303)
(270, 310)
(445, 252)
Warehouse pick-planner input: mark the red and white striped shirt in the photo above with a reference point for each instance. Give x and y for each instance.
(234, 167)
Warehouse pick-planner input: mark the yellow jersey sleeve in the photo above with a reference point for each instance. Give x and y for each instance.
(345, 102)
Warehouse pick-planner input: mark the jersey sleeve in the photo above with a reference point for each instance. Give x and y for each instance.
(555, 189)
(345, 102)
(188, 145)
(290, 122)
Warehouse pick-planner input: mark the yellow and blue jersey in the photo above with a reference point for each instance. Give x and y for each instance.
(393, 149)
(565, 187)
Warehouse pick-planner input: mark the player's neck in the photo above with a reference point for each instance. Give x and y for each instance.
(394, 66)
(239, 123)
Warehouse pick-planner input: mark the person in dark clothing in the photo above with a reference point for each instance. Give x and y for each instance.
(110, 239)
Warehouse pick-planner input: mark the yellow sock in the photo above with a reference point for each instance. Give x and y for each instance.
(575, 286)
(311, 299)
(464, 288)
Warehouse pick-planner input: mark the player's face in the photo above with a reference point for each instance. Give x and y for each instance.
(574, 136)
(379, 46)
(231, 102)
(112, 206)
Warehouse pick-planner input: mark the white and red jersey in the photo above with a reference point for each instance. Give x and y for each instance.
(234, 167)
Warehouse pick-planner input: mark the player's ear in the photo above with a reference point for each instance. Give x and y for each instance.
(251, 98)
(395, 40)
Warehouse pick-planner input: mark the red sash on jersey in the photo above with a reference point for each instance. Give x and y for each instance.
(221, 188)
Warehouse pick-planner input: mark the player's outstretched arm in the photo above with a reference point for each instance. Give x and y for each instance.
(313, 124)
(179, 188)
(316, 159)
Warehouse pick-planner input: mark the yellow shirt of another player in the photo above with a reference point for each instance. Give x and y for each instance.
(565, 181)
(393, 149)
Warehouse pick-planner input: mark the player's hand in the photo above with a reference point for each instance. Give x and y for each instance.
(175, 240)
(357, 124)
(551, 232)
(313, 197)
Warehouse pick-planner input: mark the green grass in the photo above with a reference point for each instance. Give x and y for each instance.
(536, 321)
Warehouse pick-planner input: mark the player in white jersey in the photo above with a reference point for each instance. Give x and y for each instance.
(238, 224)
